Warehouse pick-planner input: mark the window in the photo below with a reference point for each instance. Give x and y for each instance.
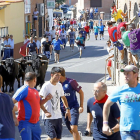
(95, 3)
(3, 31)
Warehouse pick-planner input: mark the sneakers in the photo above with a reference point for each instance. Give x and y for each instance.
(108, 79)
(80, 133)
(79, 56)
(58, 62)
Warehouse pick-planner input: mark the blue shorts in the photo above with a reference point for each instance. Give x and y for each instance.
(29, 131)
(47, 53)
(135, 52)
(64, 41)
(91, 27)
(72, 41)
(130, 135)
(53, 128)
(74, 117)
(119, 46)
(96, 33)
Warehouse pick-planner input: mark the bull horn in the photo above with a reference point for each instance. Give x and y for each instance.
(44, 60)
(40, 55)
(2, 60)
(17, 61)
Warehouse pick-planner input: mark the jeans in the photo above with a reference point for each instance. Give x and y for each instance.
(130, 135)
(6, 54)
(29, 131)
(11, 52)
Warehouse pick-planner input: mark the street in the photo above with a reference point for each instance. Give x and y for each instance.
(87, 70)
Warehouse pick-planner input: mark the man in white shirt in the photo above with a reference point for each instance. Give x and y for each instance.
(110, 50)
(63, 36)
(38, 44)
(53, 32)
(83, 23)
(26, 39)
(11, 42)
(53, 124)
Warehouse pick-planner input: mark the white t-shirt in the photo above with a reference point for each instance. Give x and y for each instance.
(63, 35)
(49, 34)
(35, 14)
(83, 24)
(53, 105)
(38, 44)
(26, 40)
(53, 33)
(42, 40)
(91, 10)
(110, 52)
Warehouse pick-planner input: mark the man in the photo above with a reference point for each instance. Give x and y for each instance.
(79, 25)
(7, 126)
(53, 32)
(11, 42)
(87, 29)
(100, 21)
(101, 28)
(110, 51)
(6, 48)
(45, 49)
(26, 39)
(91, 13)
(112, 30)
(53, 125)
(72, 39)
(91, 22)
(83, 23)
(31, 47)
(96, 30)
(56, 47)
(38, 44)
(134, 37)
(84, 35)
(95, 108)
(129, 99)
(63, 36)
(29, 108)
(80, 43)
(43, 39)
(70, 87)
(95, 11)
(48, 34)
(126, 42)
(62, 26)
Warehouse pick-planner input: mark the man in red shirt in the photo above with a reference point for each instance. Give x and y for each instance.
(112, 30)
(87, 29)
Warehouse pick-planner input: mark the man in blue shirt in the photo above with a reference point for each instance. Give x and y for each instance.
(11, 42)
(96, 30)
(56, 46)
(70, 87)
(128, 96)
(6, 48)
(84, 35)
(91, 22)
(101, 28)
(95, 113)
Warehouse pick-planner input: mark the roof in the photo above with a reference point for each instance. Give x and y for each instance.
(7, 2)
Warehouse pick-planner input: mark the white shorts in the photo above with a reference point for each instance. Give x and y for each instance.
(80, 47)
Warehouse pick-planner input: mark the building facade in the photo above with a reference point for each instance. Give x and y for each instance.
(71, 2)
(131, 6)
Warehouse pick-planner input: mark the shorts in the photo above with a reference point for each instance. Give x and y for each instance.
(95, 33)
(80, 48)
(88, 33)
(101, 32)
(47, 54)
(74, 117)
(35, 18)
(64, 41)
(53, 128)
(29, 131)
(130, 135)
(135, 52)
(109, 63)
(91, 27)
(57, 51)
(118, 45)
(72, 41)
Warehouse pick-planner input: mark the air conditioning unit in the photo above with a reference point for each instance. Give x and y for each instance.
(40, 8)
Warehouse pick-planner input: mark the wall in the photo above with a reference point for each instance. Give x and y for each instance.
(2, 18)
(73, 2)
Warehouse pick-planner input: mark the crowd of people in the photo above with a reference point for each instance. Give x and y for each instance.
(57, 97)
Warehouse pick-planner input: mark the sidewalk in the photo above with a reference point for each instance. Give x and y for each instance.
(65, 53)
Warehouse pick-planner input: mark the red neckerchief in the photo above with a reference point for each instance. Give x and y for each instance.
(101, 101)
(114, 10)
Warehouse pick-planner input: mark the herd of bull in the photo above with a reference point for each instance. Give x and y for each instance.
(11, 70)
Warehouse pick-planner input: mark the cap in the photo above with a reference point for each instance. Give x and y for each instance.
(129, 68)
(35, 37)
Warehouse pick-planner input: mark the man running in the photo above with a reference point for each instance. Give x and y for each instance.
(91, 22)
(96, 30)
(101, 28)
(72, 39)
(80, 43)
(53, 125)
(63, 36)
(84, 35)
(70, 87)
(87, 29)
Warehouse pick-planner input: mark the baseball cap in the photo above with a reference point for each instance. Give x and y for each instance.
(129, 68)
